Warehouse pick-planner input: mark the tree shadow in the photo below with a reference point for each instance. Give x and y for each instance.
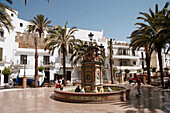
(151, 99)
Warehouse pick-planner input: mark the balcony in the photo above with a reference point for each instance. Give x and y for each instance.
(48, 64)
(126, 57)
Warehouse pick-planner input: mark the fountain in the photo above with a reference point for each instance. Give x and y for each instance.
(92, 88)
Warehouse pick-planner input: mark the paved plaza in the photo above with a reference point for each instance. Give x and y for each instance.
(41, 100)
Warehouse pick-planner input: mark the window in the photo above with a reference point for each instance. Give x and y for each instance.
(21, 24)
(46, 60)
(134, 62)
(1, 51)
(23, 59)
(124, 52)
(1, 33)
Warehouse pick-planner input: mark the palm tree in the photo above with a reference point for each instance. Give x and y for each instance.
(77, 55)
(60, 38)
(141, 38)
(27, 0)
(5, 19)
(158, 25)
(39, 25)
(110, 47)
(11, 2)
(156, 33)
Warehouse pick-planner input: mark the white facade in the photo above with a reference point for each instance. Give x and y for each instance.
(11, 55)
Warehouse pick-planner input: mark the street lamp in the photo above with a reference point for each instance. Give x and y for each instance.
(24, 64)
(91, 36)
(24, 80)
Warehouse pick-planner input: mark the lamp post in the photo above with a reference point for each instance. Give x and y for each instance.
(24, 64)
(120, 77)
(24, 80)
(91, 36)
(101, 49)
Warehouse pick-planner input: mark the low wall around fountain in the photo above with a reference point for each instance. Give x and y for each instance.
(92, 97)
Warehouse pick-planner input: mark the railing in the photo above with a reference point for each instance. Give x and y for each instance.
(119, 54)
(48, 64)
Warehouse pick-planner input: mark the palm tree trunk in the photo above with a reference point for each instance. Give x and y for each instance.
(111, 69)
(64, 65)
(112, 81)
(148, 65)
(160, 66)
(36, 64)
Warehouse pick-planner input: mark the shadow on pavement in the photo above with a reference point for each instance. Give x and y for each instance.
(152, 99)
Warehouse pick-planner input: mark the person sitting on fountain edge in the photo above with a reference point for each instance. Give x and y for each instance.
(77, 89)
(58, 85)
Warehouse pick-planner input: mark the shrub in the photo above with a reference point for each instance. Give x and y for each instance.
(145, 69)
(41, 68)
(154, 69)
(139, 70)
(115, 69)
(7, 71)
(127, 71)
(166, 69)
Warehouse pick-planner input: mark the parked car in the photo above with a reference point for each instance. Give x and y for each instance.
(140, 76)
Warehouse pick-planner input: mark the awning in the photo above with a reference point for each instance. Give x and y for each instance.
(60, 72)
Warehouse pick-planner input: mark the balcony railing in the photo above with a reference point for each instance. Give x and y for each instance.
(48, 64)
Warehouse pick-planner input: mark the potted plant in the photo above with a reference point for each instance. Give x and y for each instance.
(41, 68)
(6, 72)
(154, 69)
(139, 70)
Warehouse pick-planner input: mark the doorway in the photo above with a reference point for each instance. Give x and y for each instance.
(47, 75)
(68, 76)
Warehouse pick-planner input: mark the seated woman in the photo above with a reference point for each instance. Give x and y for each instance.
(77, 89)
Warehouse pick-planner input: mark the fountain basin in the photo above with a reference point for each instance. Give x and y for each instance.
(68, 96)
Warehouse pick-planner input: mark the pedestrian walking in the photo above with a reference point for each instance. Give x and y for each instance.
(138, 85)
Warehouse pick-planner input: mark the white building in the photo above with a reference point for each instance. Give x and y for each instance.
(16, 45)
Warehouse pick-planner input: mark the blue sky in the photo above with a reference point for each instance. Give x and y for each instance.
(115, 17)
